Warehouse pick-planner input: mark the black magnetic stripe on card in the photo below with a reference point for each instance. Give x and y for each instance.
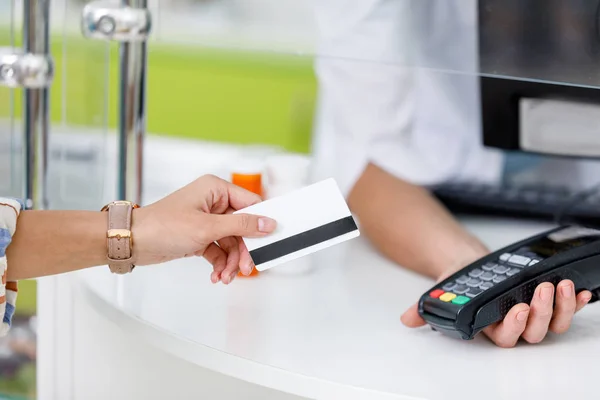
(303, 240)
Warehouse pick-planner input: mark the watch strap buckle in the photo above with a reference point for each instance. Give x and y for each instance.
(119, 237)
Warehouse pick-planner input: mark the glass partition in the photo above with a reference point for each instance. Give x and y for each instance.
(268, 62)
(498, 93)
(83, 112)
(233, 80)
(519, 40)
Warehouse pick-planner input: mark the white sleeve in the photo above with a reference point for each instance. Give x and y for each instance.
(365, 90)
(377, 105)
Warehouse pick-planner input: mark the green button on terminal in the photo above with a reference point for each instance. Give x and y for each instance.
(460, 300)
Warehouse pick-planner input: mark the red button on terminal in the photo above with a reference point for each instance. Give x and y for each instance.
(436, 293)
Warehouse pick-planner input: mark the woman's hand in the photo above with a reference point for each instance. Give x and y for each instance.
(531, 322)
(196, 220)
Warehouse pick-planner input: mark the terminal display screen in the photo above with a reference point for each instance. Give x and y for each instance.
(562, 240)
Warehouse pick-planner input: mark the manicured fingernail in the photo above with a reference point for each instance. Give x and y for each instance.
(566, 290)
(266, 225)
(546, 293)
(522, 316)
(586, 297)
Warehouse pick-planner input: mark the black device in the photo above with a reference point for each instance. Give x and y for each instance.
(560, 204)
(483, 293)
(537, 49)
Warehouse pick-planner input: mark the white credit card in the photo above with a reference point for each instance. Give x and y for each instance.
(308, 220)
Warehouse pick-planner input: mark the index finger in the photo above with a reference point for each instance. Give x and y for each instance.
(241, 198)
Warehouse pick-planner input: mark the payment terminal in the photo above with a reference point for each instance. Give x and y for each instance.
(484, 292)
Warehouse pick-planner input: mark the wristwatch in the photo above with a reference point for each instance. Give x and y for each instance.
(118, 236)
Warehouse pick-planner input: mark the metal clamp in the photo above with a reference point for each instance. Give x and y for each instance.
(25, 70)
(106, 21)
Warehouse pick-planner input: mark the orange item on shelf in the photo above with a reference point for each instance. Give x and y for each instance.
(253, 183)
(253, 273)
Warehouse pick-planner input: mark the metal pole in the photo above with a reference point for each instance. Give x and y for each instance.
(128, 23)
(36, 107)
(132, 124)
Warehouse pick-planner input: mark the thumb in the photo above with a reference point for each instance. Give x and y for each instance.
(411, 317)
(244, 225)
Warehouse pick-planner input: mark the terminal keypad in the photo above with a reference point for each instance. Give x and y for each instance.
(469, 285)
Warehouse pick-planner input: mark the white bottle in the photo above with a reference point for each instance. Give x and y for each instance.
(286, 172)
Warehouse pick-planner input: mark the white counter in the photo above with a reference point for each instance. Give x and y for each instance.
(334, 333)
(166, 332)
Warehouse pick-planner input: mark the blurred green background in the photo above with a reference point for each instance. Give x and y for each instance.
(224, 95)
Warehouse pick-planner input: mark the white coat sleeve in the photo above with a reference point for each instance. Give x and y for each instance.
(365, 84)
(378, 105)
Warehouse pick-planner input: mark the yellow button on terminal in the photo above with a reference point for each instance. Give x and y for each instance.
(447, 297)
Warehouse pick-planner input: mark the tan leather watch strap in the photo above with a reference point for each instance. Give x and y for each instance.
(119, 237)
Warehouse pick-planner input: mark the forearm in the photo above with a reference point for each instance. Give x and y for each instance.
(54, 242)
(409, 226)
